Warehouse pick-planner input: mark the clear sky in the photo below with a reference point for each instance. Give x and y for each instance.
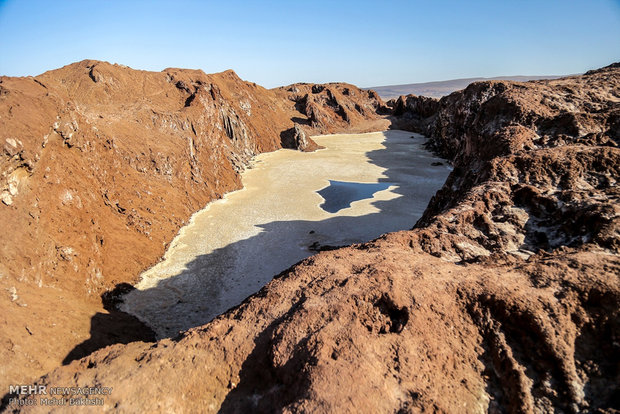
(368, 43)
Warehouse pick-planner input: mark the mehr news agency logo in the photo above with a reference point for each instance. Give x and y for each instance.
(22, 395)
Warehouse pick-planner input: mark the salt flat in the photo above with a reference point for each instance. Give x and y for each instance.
(235, 245)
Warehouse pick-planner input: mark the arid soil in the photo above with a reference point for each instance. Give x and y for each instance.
(101, 165)
(503, 298)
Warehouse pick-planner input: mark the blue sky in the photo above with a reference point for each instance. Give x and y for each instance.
(368, 43)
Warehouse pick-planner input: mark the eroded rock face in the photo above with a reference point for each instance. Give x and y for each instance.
(503, 298)
(297, 138)
(100, 165)
(537, 161)
(337, 105)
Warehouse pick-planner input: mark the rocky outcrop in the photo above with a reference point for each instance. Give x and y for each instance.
(337, 105)
(100, 166)
(413, 113)
(297, 138)
(503, 298)
(538, 159)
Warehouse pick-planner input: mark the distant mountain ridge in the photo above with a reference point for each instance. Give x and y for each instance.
(437, 89)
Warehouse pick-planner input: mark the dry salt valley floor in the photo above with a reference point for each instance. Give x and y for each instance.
(292, 204)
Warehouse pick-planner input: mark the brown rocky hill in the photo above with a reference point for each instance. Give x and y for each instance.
(100, 166)
(549, 148)
(503, 298)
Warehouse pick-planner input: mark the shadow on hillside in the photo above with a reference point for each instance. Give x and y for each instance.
(287, 138)
(114, 327)
(212, 283)
(206, 287)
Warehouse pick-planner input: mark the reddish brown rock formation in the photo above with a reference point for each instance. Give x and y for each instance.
(386, 327)
(101, 165)
(539, 159)
(503, 298)
(336, 105)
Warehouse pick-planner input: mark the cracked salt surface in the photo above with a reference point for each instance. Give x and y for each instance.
(234, 246)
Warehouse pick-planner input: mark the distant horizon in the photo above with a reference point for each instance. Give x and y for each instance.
(277, 43)
(544, 76)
